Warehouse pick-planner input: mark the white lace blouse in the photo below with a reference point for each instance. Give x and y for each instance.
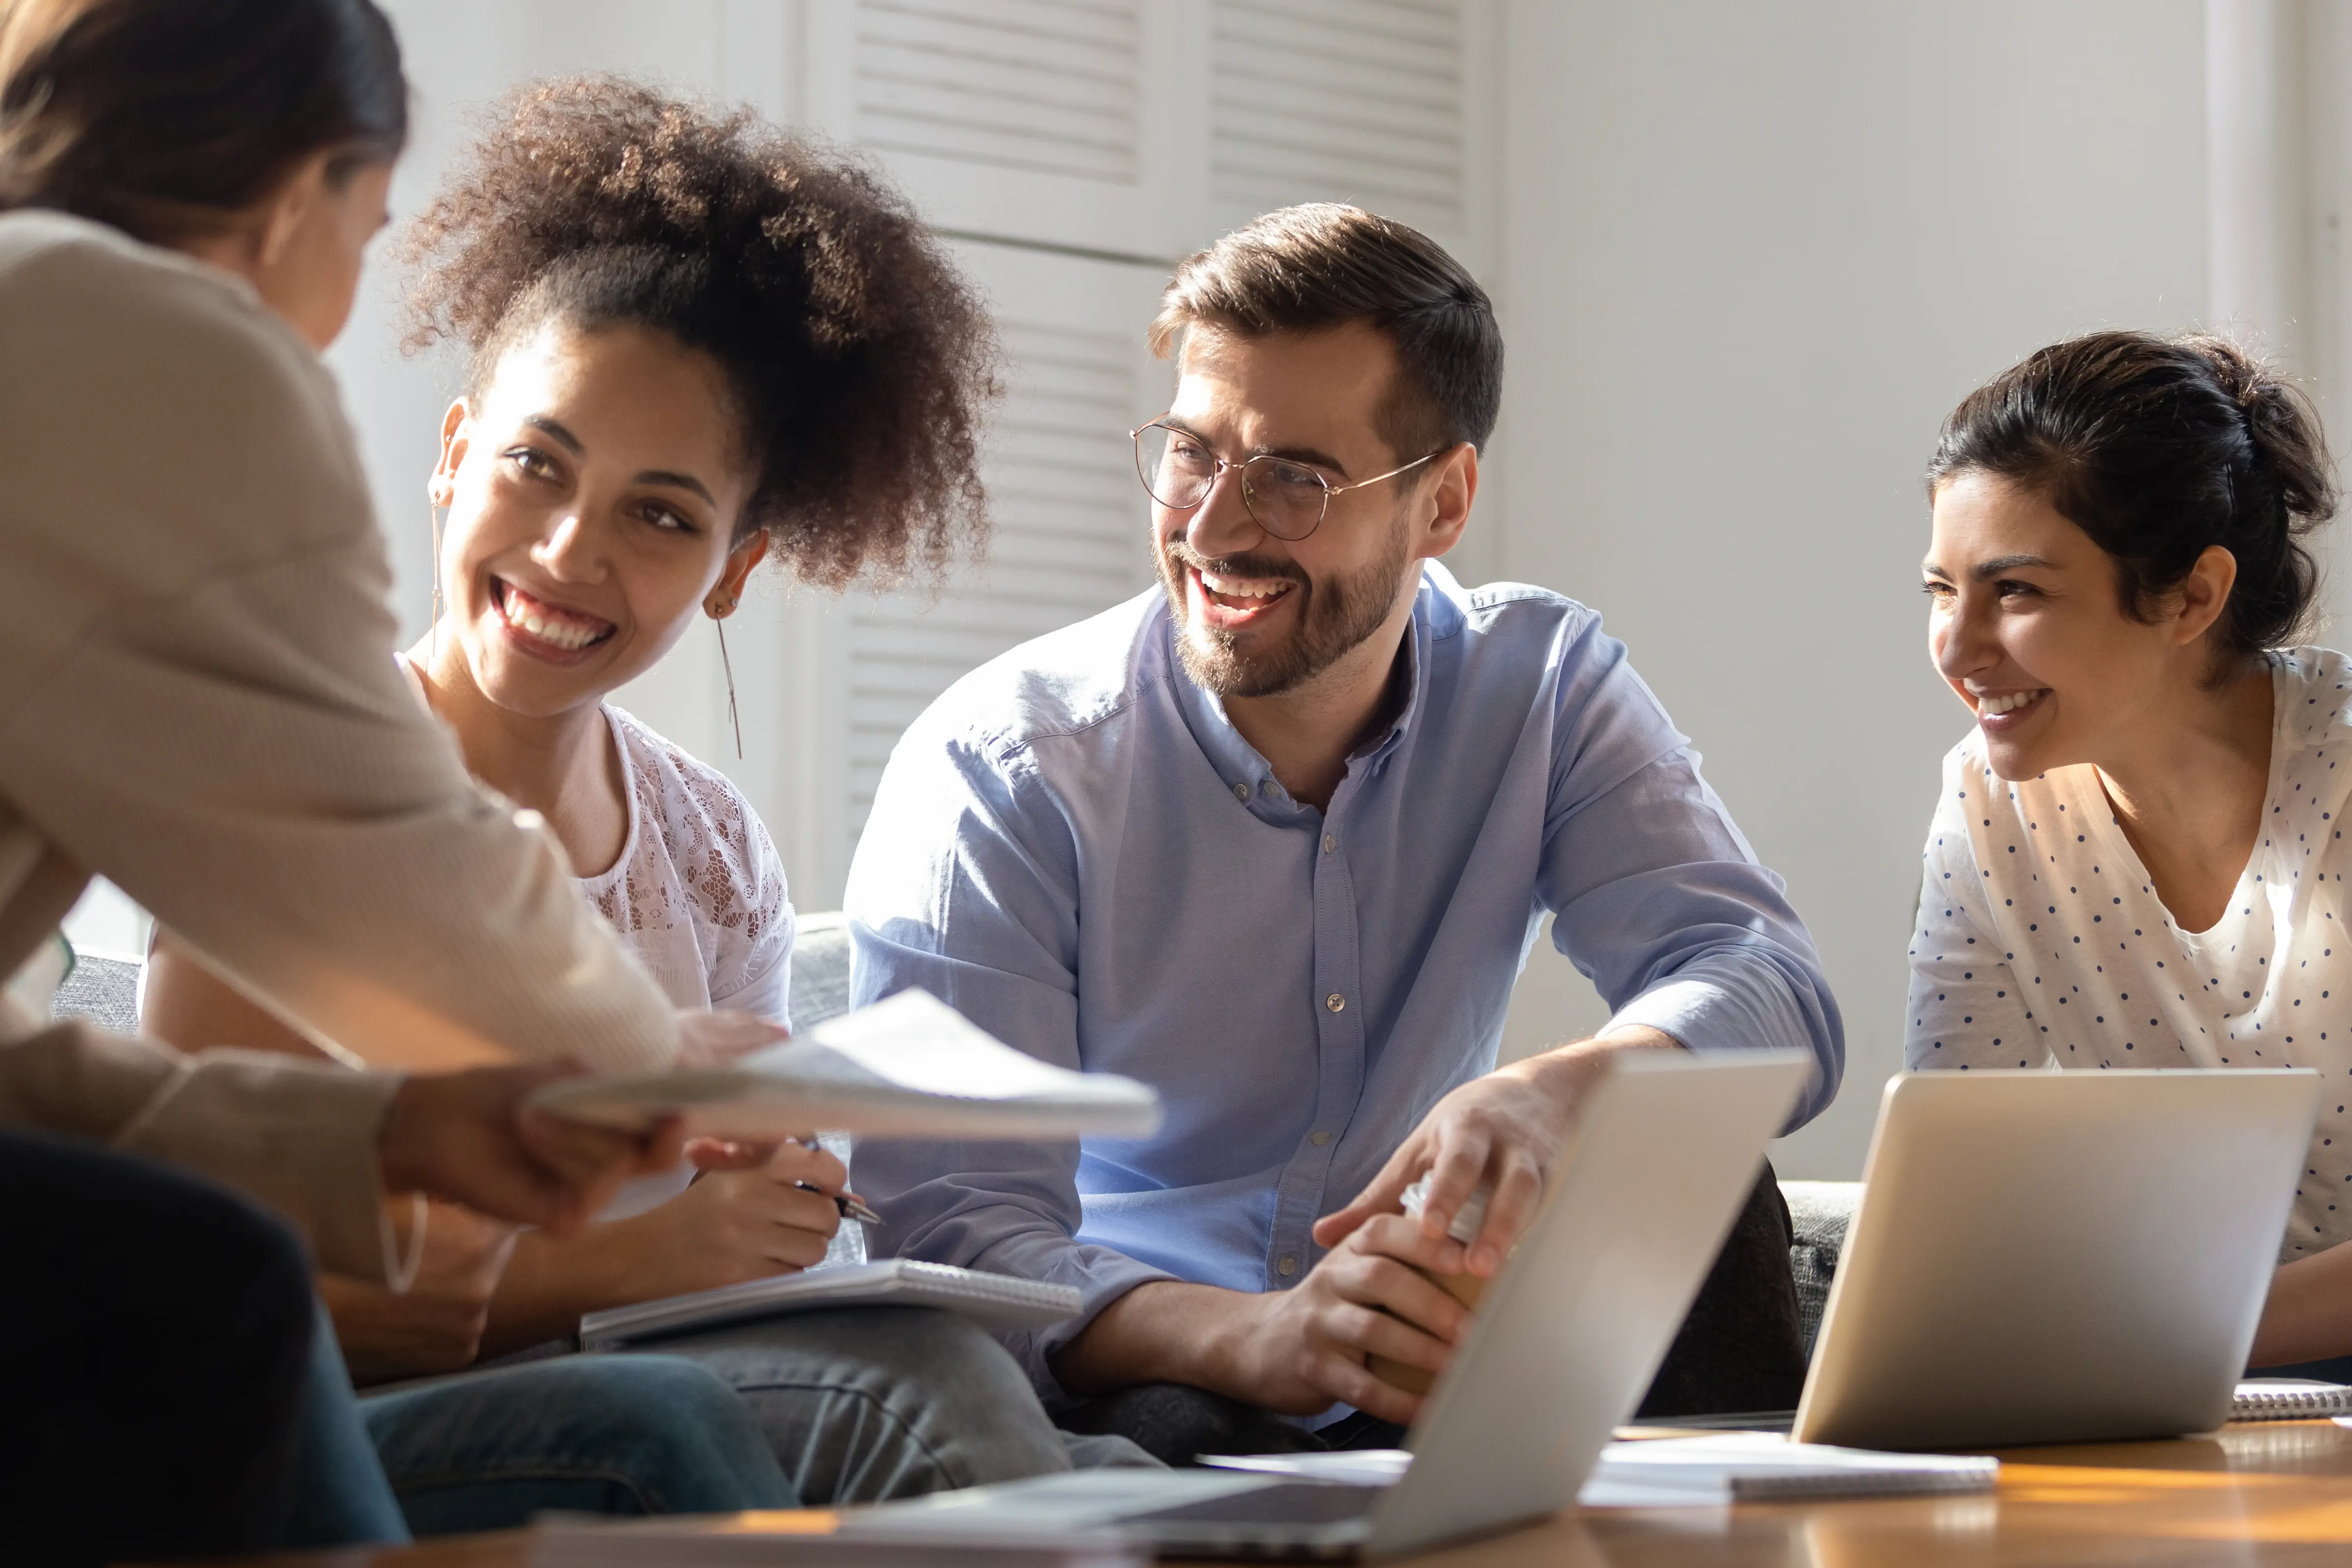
(698, 893)
(2042, 942)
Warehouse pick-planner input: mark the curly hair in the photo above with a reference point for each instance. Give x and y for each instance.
(862, 365)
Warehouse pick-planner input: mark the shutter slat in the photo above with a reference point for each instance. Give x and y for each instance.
(1014, 84)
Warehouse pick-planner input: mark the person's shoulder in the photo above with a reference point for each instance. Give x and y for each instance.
(695, 802)
(1067, 682)
(91, 287)
(238, 421)
(1504, 613)
(2315, 687)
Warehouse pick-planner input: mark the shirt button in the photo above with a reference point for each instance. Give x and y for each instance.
(1288, 1266)
(528, 820)
(1329, 844)
(1335, 1001)
(1241, 792)
(1320, 1139)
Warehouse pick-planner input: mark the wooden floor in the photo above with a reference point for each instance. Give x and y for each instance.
(2256, 1494)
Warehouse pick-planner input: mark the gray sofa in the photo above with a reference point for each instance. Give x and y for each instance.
(105, 991)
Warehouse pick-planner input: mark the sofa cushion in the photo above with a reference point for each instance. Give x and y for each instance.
(1819, 1213)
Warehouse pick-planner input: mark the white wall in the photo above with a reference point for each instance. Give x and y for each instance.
(1748, 257)
(1751, 256)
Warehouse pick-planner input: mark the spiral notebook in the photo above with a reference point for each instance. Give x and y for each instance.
(999, 1302)
(2289, 1399)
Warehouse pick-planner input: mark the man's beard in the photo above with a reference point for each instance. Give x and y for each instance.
(1337, 616)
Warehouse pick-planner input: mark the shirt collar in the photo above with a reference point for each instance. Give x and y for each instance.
(1244, 771)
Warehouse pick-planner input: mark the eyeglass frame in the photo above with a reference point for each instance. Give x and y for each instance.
(1218, 473)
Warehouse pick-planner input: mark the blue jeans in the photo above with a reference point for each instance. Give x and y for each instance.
(618, 1435)
(871, 1403)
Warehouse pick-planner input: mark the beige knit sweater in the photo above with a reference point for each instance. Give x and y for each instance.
(198, 700)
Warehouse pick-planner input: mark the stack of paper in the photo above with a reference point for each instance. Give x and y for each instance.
(907, 1068)
(1764, 1467)
(1680, 1472)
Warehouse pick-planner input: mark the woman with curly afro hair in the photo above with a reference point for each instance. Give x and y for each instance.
(697, 344)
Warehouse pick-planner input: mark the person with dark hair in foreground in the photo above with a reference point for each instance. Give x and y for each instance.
(698, 342)
(2138, 857)
(197, 700)
(1276, 838)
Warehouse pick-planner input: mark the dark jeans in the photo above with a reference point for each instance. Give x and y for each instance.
(155, 1349)
(1740, 1348)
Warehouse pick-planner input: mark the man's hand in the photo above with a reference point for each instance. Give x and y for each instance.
(465, 1137)
(1504, 1130)
(1361, 1299)
(437, 1325)
(1294, 1351)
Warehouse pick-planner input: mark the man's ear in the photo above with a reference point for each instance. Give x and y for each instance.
(1452, 486)
(2203, 594)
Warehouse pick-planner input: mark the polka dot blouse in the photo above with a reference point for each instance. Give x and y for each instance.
(2042, 942)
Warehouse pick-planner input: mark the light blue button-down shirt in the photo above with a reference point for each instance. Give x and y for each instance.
(1076, 849)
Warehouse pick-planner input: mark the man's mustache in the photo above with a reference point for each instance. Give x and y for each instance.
(1259, 566)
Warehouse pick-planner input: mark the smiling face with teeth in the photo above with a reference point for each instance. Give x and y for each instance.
(2026, 623)
(594, 485)
(1261, 617)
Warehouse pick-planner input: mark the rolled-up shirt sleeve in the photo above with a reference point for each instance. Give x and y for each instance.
(965, 837)
(1657, 897)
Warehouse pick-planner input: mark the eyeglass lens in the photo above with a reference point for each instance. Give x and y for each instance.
(1284, 498)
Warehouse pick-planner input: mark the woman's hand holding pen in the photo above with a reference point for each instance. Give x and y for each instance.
(754, 1212)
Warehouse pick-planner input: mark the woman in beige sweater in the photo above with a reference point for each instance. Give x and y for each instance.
(197, 700)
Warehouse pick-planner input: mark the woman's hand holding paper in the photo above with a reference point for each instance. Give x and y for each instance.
(467, 1137)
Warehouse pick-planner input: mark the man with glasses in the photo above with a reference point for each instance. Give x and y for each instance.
(1276, 838)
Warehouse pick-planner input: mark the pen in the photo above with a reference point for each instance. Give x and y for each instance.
(849, 1205)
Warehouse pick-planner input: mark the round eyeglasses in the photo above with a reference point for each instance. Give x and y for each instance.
(1285, 498)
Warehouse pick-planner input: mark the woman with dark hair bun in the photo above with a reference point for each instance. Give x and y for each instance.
(696, 343)
(2137, 858)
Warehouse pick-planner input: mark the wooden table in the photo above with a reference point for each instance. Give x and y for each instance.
(2254, 1494)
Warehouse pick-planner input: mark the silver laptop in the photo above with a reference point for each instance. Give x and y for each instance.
(1565, 1341)
(2057, 1257)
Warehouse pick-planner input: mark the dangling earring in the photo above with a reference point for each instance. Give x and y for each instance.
(434, 629)
(719, 619)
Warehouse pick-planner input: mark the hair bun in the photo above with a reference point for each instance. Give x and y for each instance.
(2160, 449)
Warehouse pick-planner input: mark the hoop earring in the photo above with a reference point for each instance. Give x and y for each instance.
(729, 665)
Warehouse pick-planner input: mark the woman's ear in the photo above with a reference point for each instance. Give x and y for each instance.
(457, 430)
(282, 215)
(2204, 594)
(727, 592)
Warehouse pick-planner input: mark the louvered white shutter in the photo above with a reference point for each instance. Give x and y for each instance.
(1366, 102)
(1069, 516)
(1044, 120)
